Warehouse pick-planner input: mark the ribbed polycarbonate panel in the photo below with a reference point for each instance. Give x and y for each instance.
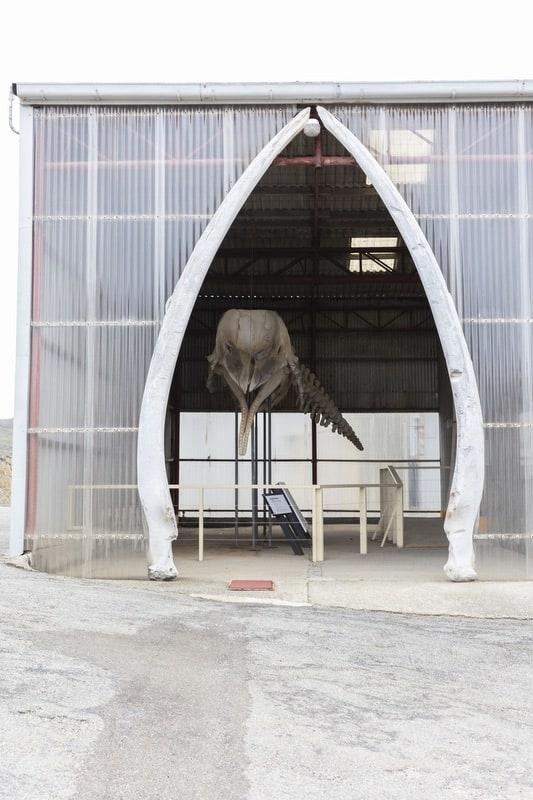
(121, 196)
(467, 174)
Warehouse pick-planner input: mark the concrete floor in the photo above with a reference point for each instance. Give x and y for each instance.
(387, 579)
(422, 558)
(410, 580)
(113, 691)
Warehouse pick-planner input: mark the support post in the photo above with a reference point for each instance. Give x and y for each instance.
(320, 516)
(269, 476)
(314, 525)
(264, 472)
(236, 479)
(201, 525)
(254, 482)
(363, 530)
(24, 312)
(399, 516)
(316, 272)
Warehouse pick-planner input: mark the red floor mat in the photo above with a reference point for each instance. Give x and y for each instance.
(250, 586)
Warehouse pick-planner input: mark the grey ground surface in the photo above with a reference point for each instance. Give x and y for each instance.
(115, 692)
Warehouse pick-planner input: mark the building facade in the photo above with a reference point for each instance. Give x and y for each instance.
(118, 187)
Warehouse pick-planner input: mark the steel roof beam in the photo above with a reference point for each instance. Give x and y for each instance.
(276, 252)
(273, 93)
(314, 280)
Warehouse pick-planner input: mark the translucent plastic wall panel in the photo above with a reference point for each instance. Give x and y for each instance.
(89, 374)
(69, 462)
(81, 509)
(116, 187)
(467, 174)
(121, 196)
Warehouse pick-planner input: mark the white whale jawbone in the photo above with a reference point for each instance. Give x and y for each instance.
(162, 567)
(157, 572)
(460, 564)
(152, 481)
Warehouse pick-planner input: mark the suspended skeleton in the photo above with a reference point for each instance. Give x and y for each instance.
(253, 353)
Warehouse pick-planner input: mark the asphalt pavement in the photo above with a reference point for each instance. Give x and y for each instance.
(110, 691)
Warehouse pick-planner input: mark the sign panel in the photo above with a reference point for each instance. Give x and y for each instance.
(289, 517)
(278, 504)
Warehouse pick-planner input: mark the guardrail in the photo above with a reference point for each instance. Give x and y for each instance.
(390, 523)
(391, 507)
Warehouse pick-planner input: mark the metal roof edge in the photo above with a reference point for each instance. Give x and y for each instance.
(273, 93)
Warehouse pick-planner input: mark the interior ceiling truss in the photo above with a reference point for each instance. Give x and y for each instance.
(356, 310)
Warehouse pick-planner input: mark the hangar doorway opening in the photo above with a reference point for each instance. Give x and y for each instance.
(315, 243)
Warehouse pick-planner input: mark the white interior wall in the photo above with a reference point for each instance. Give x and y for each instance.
(402, 439)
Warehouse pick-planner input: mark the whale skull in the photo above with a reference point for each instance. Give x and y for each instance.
(253, 354)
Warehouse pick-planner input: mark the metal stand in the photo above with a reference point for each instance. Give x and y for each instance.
(254, 481)
(236, 477)
(267, 468)
(289, 517)
(266, 474)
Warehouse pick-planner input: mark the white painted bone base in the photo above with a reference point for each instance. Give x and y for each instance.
(162, 567)
(459, 566)
(157, 573)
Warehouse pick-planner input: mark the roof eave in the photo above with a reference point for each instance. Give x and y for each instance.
(273, 93)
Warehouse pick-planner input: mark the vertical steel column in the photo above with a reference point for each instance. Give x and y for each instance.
(236, 479)
(317, 511)
(320, 514)
(91, 343)
(317, 539)
(526, 308)
(201, 525)
(314, 446)
(22, 369)
(36, 284)
(269, 475)
(265, 479)
(316, 270)
(314, 523)
(254, 481)
(454, 233)
(363, 529)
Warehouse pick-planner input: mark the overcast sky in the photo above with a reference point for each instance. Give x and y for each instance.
(241, 40)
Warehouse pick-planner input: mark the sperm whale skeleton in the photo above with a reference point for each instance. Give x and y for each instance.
(254, 356)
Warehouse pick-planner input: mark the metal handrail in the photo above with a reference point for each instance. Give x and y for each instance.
(317, 505)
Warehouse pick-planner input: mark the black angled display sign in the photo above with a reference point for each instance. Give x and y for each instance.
(289, 517)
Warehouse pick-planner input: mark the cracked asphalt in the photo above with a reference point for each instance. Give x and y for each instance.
(114, 692)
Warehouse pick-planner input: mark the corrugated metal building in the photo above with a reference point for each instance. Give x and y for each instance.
(118, 184)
